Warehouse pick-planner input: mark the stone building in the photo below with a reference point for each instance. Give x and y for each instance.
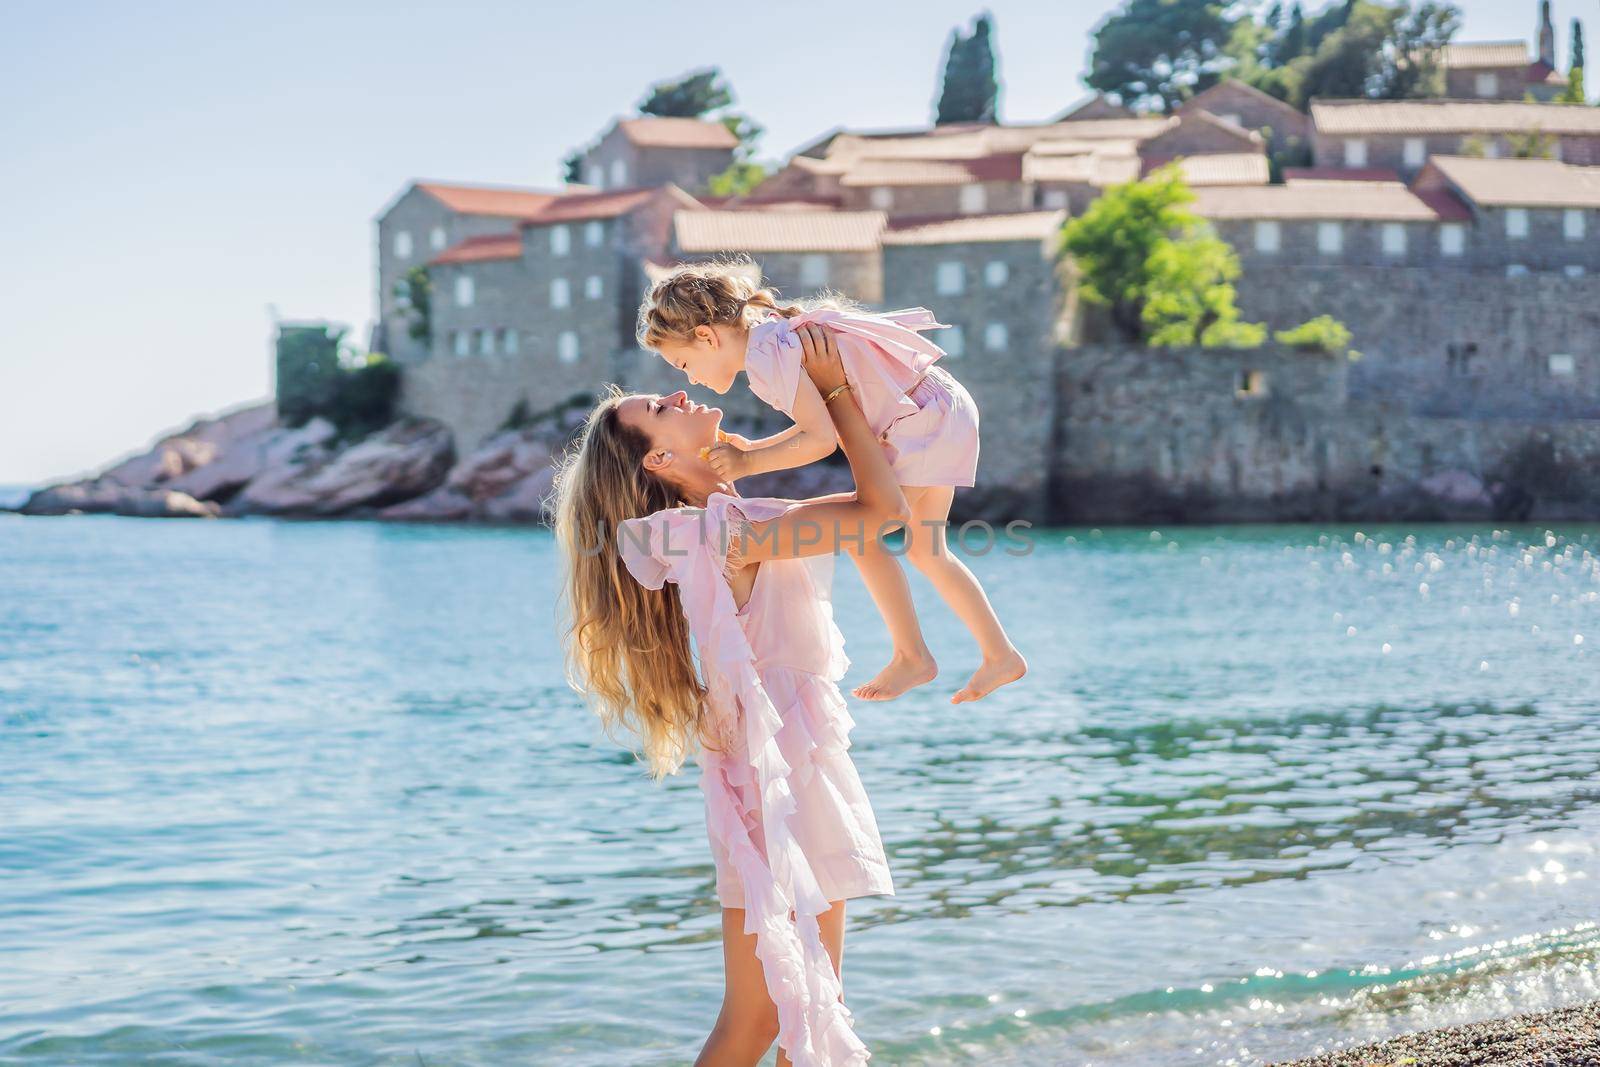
(423, 221)
(1286, 129)
(649, 150)
(1498, 70)
(1401, 135)
(994, 281)
(538, 315)
(800, 252)
(1528, 215)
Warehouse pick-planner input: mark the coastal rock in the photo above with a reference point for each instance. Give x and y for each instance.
(407, 459)
(505, 480)
(105, 497)
(190, 449)
(1456, 487)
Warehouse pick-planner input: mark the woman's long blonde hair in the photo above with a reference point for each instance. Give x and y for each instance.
(718, 293)
(627, 646)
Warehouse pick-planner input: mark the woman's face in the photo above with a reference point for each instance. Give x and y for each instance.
(676, 427)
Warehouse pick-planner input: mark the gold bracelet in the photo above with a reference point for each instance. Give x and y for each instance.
(833, 394)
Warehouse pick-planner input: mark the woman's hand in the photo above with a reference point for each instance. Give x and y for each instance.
(821, 359)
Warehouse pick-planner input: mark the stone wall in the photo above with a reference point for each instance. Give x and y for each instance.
(1440, 343)
(1274, 435)
(919, 201)
(687, 168)
(1388, 151)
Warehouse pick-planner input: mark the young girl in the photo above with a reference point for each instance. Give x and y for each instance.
(792, 832)
(711, 322)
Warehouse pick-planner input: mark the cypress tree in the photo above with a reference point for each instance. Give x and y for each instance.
(971, 90)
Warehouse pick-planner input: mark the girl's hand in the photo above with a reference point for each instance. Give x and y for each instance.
(727, 460)
(821, 359)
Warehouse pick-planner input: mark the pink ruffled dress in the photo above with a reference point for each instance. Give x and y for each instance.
(925, 418)
(790, 825)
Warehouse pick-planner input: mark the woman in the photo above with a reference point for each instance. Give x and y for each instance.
(659, 551)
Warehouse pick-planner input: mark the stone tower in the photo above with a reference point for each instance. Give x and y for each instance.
(1547, 36)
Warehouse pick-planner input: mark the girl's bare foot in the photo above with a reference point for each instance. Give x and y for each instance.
(902, 673)
(991, 675)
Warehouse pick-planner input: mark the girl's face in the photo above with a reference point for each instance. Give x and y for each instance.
(677, 429)
(713, 357)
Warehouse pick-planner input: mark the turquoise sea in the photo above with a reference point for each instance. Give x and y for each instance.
(316, 793)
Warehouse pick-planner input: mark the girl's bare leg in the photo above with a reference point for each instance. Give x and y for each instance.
(925, 545)
(912, 663)
(748, 1023)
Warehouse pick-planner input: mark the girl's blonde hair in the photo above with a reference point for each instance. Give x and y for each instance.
(627, 646)
(719, 293)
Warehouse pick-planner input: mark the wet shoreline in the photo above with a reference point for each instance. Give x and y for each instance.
(1564, 1037)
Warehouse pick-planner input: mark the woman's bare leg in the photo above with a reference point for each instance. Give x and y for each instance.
(925, 545)
(912, 663)
(748, 1023)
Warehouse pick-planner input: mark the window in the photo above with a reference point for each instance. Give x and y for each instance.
(953, 341)
(464, 291)
(1452, 239)
(1355, 152)
(594, 233)
(1573, 270)
(402, 244)
(1233, 117)
(560, 293)
(1251, 383)
(1416, 152)
(567, 346)
(593, 287)
(1573, 224)
(1330, 238)
(1516, 222)
(996, 273)
(461, 343)
(1487, 84)
(881, 197)
(595, 176)
(1516, 270)
(973, 200)
(813, 271)
(508, 342)
(1491, 148)
(486, 342)
(619, 172)
(996, 337)
(436, 238)
(1562, 365)
(1269, 236)
(1394, 239)
(950, 279)
(560, 240)
(1055, 200)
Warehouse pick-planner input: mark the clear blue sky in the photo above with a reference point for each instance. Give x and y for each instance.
(170, 170)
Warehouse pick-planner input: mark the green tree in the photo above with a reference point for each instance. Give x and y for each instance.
(415, 293)
(744, 173)
(1389, 53)
(1164, 277)
(572, 167)
(1532, 144)
(1155, 53)
(1574, 92)
(689, 97)
(971, 89)
(1577, 46)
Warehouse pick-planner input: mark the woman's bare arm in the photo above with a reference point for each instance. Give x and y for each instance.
(826, 524)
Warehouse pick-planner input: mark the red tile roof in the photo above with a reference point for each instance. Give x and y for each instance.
(651, 131)
(479, 249)
(585, 206)
(698, 232)
(1339, 174)
(1485, 55)
(965, 229)
(1517, 182)
(1006, 167)
(505, 201)
(1359, 201)
(1221, 168)
(1356, 117)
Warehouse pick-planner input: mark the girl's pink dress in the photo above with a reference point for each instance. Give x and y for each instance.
(790, 825)
(925, 418)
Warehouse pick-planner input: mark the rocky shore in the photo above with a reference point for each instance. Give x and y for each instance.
(248, 462)
(1568, 1037)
